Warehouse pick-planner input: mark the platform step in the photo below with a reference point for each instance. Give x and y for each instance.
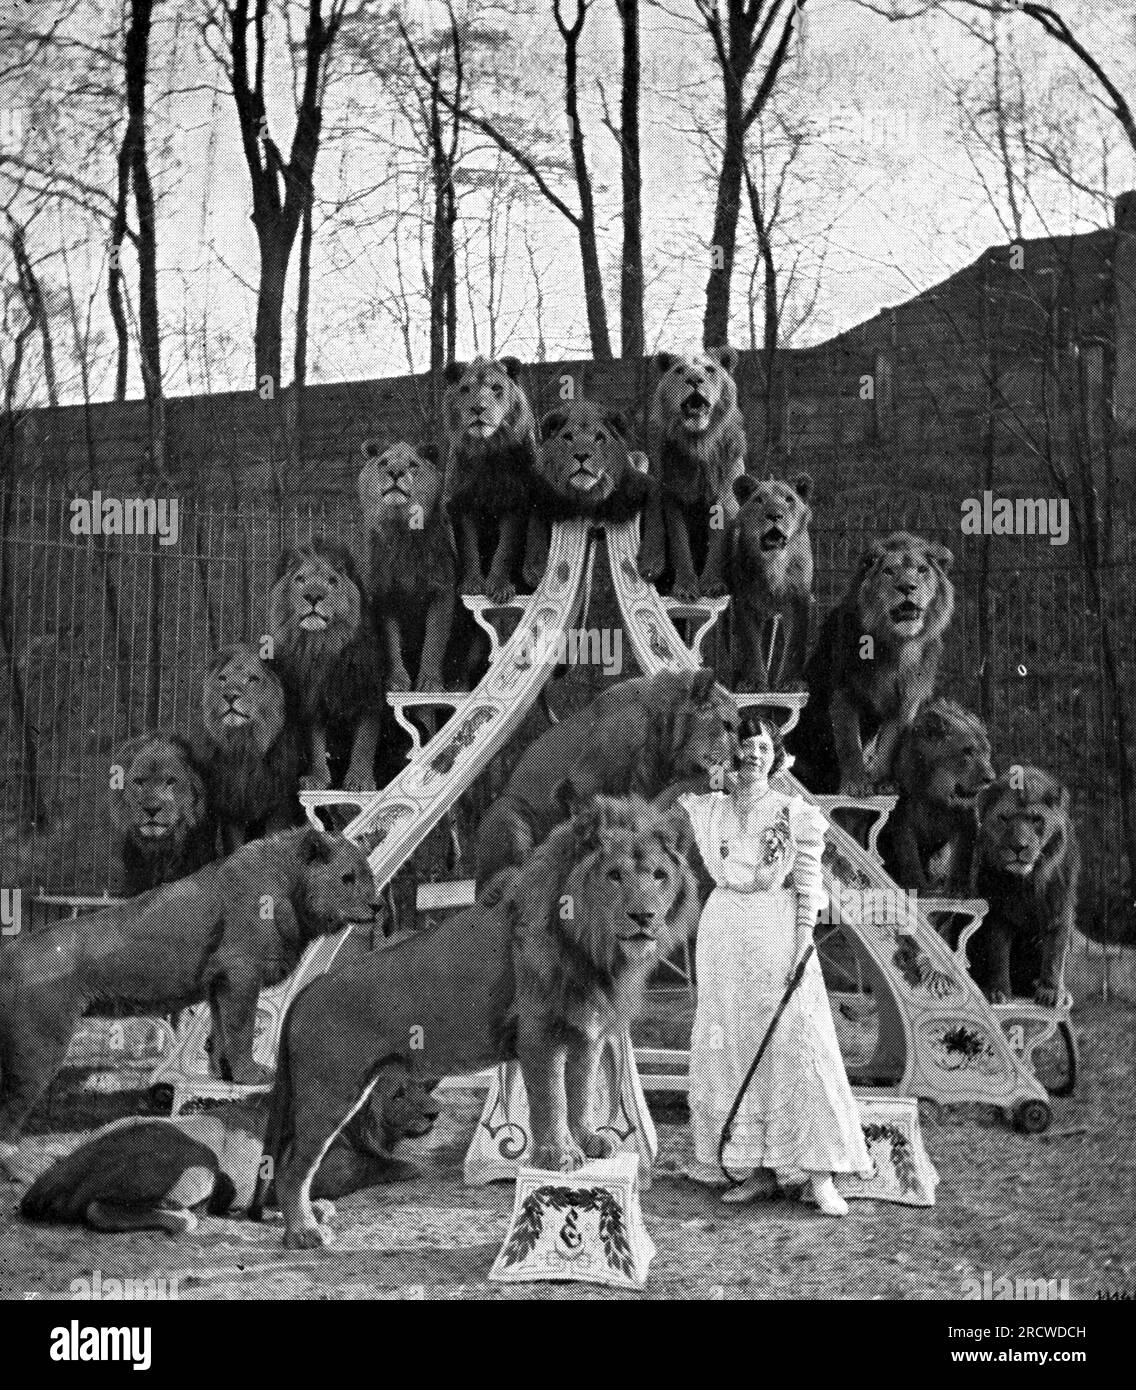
(443, 896)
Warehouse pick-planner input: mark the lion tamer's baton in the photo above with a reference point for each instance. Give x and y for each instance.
(728, 1127)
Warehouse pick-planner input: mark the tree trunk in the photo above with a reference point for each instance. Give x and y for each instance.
(631, 335)
(723, 242)
(300, 349)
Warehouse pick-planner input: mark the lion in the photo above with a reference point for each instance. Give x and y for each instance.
(158, 1174)
(251, 754)
(160, 812)
(585, 468)
(942, 762)
(491, 438)
(638, 735)
(875, 661)
(413, 568)
(698, 450)
(326, 649)
(515, 976)
(229, 931)
(769, 569)
(1026, 865)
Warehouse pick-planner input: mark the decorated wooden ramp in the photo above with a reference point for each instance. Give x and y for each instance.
(936, 1036)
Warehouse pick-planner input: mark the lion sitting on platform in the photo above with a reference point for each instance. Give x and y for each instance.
(251, 757)
(697, 451)
(160, 811)
(941, 764)
(585, 468)
(1027, 866)
(875, 661)
(769, 568)
(491, 439)
(327, 652)
(231, 930)
(412, 571)
(518, 975)
(157, 1174)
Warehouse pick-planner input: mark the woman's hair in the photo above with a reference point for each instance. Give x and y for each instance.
(758, 721)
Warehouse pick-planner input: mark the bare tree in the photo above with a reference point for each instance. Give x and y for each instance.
(741, 31)
(584, 221)
(281, 189)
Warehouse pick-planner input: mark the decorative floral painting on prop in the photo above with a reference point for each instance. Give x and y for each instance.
(584, 1226)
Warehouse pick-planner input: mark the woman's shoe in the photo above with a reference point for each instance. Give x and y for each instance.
(760, 1183)
(825, 1195)
(706, 1174)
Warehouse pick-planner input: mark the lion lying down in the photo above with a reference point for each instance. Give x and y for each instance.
(549, 962)
(222, 935)
(143, 1175)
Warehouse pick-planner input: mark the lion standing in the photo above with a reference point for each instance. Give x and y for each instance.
(231, 930)
(876, 660)
(412, 569)
(698, 450)
(491, 439)
(770, 577)
(516, 976)
(327, 652)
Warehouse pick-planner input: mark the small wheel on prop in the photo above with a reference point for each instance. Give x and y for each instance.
(160, 1098)
(1031, 1116)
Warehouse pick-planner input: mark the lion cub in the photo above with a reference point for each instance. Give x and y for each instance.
(412, 565)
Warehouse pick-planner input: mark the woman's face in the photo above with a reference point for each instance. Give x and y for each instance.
(755, 757)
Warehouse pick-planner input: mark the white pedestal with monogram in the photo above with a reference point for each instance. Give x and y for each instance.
(584, 1226)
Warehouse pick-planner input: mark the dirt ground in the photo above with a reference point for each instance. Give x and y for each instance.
(1055, 1206)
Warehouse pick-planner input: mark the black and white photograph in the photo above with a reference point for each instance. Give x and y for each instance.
(567, 669)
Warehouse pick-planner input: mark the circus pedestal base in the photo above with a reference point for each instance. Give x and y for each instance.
(585, 1225)
(502, 1141)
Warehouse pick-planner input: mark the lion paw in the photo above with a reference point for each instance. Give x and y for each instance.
(856, 786)
(712, 587)
(429, 680)
(651, 563)
(252, 1074)
(323, 1210)
(597, 1145)
(473, 586)
(399, 679)
(312, 1237)
(499, 589)
(316, 782)
(999, 996)
(1045, 995)
(359, 781)
(564, 1157)
(685, 589)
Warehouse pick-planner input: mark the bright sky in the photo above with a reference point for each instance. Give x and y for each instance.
(882, 202)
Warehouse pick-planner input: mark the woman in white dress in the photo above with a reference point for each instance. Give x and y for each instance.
(763, 847)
